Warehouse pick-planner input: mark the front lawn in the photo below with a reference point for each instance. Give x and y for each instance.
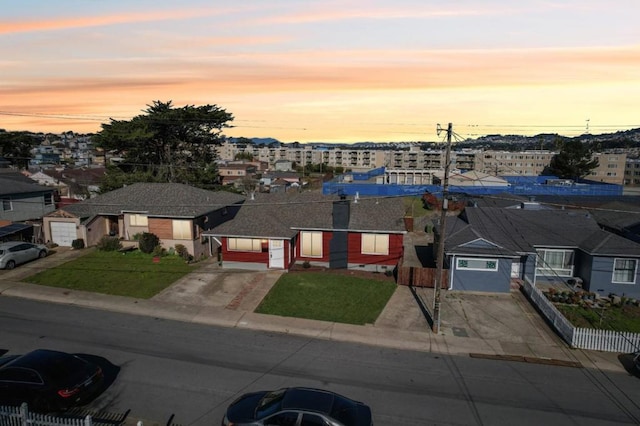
(620, 318)
(328, 297)
(133, 274)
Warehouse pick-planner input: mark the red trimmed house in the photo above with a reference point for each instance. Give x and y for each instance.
(276, 231)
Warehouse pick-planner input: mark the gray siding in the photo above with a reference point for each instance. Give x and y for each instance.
(489, 281)
(530, 267)
(26, 207)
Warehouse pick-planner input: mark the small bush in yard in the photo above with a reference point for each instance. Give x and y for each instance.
(148, 242)
(159, 251)
(77, 244)
(108, 243)
(182, 251)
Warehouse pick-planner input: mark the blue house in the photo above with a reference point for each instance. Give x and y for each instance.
(489, 248)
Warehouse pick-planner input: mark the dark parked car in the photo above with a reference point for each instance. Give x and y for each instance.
(297, 407)
(47, 380)
(16, 252)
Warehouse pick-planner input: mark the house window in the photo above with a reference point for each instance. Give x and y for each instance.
(138, 220)
(624, 271)
(375, 244)
(6, 205)
(48, 199)
(472, 264)
(244, 244)
(182, 230)
(311, 244)
(555, 262)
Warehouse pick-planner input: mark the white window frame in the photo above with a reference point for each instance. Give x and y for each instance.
(379, 242)
(181, 229)
(315, 243)
(136, 219)
(635, 270)
(244, 244)
(7, 205)
(476, 260)
(543, 269)
(48, 199)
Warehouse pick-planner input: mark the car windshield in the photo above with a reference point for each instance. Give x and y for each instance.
(270, 403)
(61, 367)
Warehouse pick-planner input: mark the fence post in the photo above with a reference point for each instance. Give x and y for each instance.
(24, 414)
(88, 421)
(139, 423)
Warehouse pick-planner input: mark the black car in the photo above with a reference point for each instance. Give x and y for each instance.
(47, 380)
(297, 407)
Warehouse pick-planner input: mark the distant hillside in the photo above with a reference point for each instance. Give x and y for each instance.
(550, 141)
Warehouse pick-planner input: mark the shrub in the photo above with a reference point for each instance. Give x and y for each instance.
(148, 242)
(182, 251)
(159, 251)
(77, 244)
(306, 264)
(108, 243)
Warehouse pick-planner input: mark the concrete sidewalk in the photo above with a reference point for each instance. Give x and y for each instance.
(495, 326)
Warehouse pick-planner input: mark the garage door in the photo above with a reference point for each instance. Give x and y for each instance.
(63, 233)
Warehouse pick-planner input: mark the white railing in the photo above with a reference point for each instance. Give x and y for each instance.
(605, 340)
(21, 416)
(577, 337)
(564, 328)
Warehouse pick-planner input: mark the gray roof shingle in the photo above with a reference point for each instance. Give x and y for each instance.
(283, 214)
(16, 183)
(156, 199)
(522, 231)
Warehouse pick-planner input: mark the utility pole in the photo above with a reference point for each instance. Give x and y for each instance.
(443, 223)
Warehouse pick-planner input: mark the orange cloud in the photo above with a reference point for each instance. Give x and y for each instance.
(9, 27)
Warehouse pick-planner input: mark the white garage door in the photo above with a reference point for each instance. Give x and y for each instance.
(63, 233)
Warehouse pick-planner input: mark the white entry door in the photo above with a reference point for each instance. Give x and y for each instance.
(515, 269)
(276, 254)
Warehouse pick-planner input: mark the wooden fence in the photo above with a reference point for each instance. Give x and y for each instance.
(421, 277)
(578, 337)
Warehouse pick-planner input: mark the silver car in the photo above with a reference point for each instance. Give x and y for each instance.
(16, 252)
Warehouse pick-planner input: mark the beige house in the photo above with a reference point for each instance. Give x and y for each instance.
(176, 213)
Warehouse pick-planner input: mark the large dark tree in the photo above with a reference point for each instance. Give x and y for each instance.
(166, 144)
(16, 147)
(575, 160)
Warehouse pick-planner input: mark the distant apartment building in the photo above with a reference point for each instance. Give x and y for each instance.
(632, 171)
(508, 163)
(611, 168)
(354, 159)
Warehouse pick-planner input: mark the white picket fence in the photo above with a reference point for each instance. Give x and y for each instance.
(21, 416)
(578, 337)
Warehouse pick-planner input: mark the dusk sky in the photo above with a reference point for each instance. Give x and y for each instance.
(333, 71)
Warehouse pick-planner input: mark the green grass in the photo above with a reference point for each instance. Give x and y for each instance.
(327, 297)
(620, 318)
(133, 274)
(415, 207)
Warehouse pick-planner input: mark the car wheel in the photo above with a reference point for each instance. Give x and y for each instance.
(10, 264)
(42, 254)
